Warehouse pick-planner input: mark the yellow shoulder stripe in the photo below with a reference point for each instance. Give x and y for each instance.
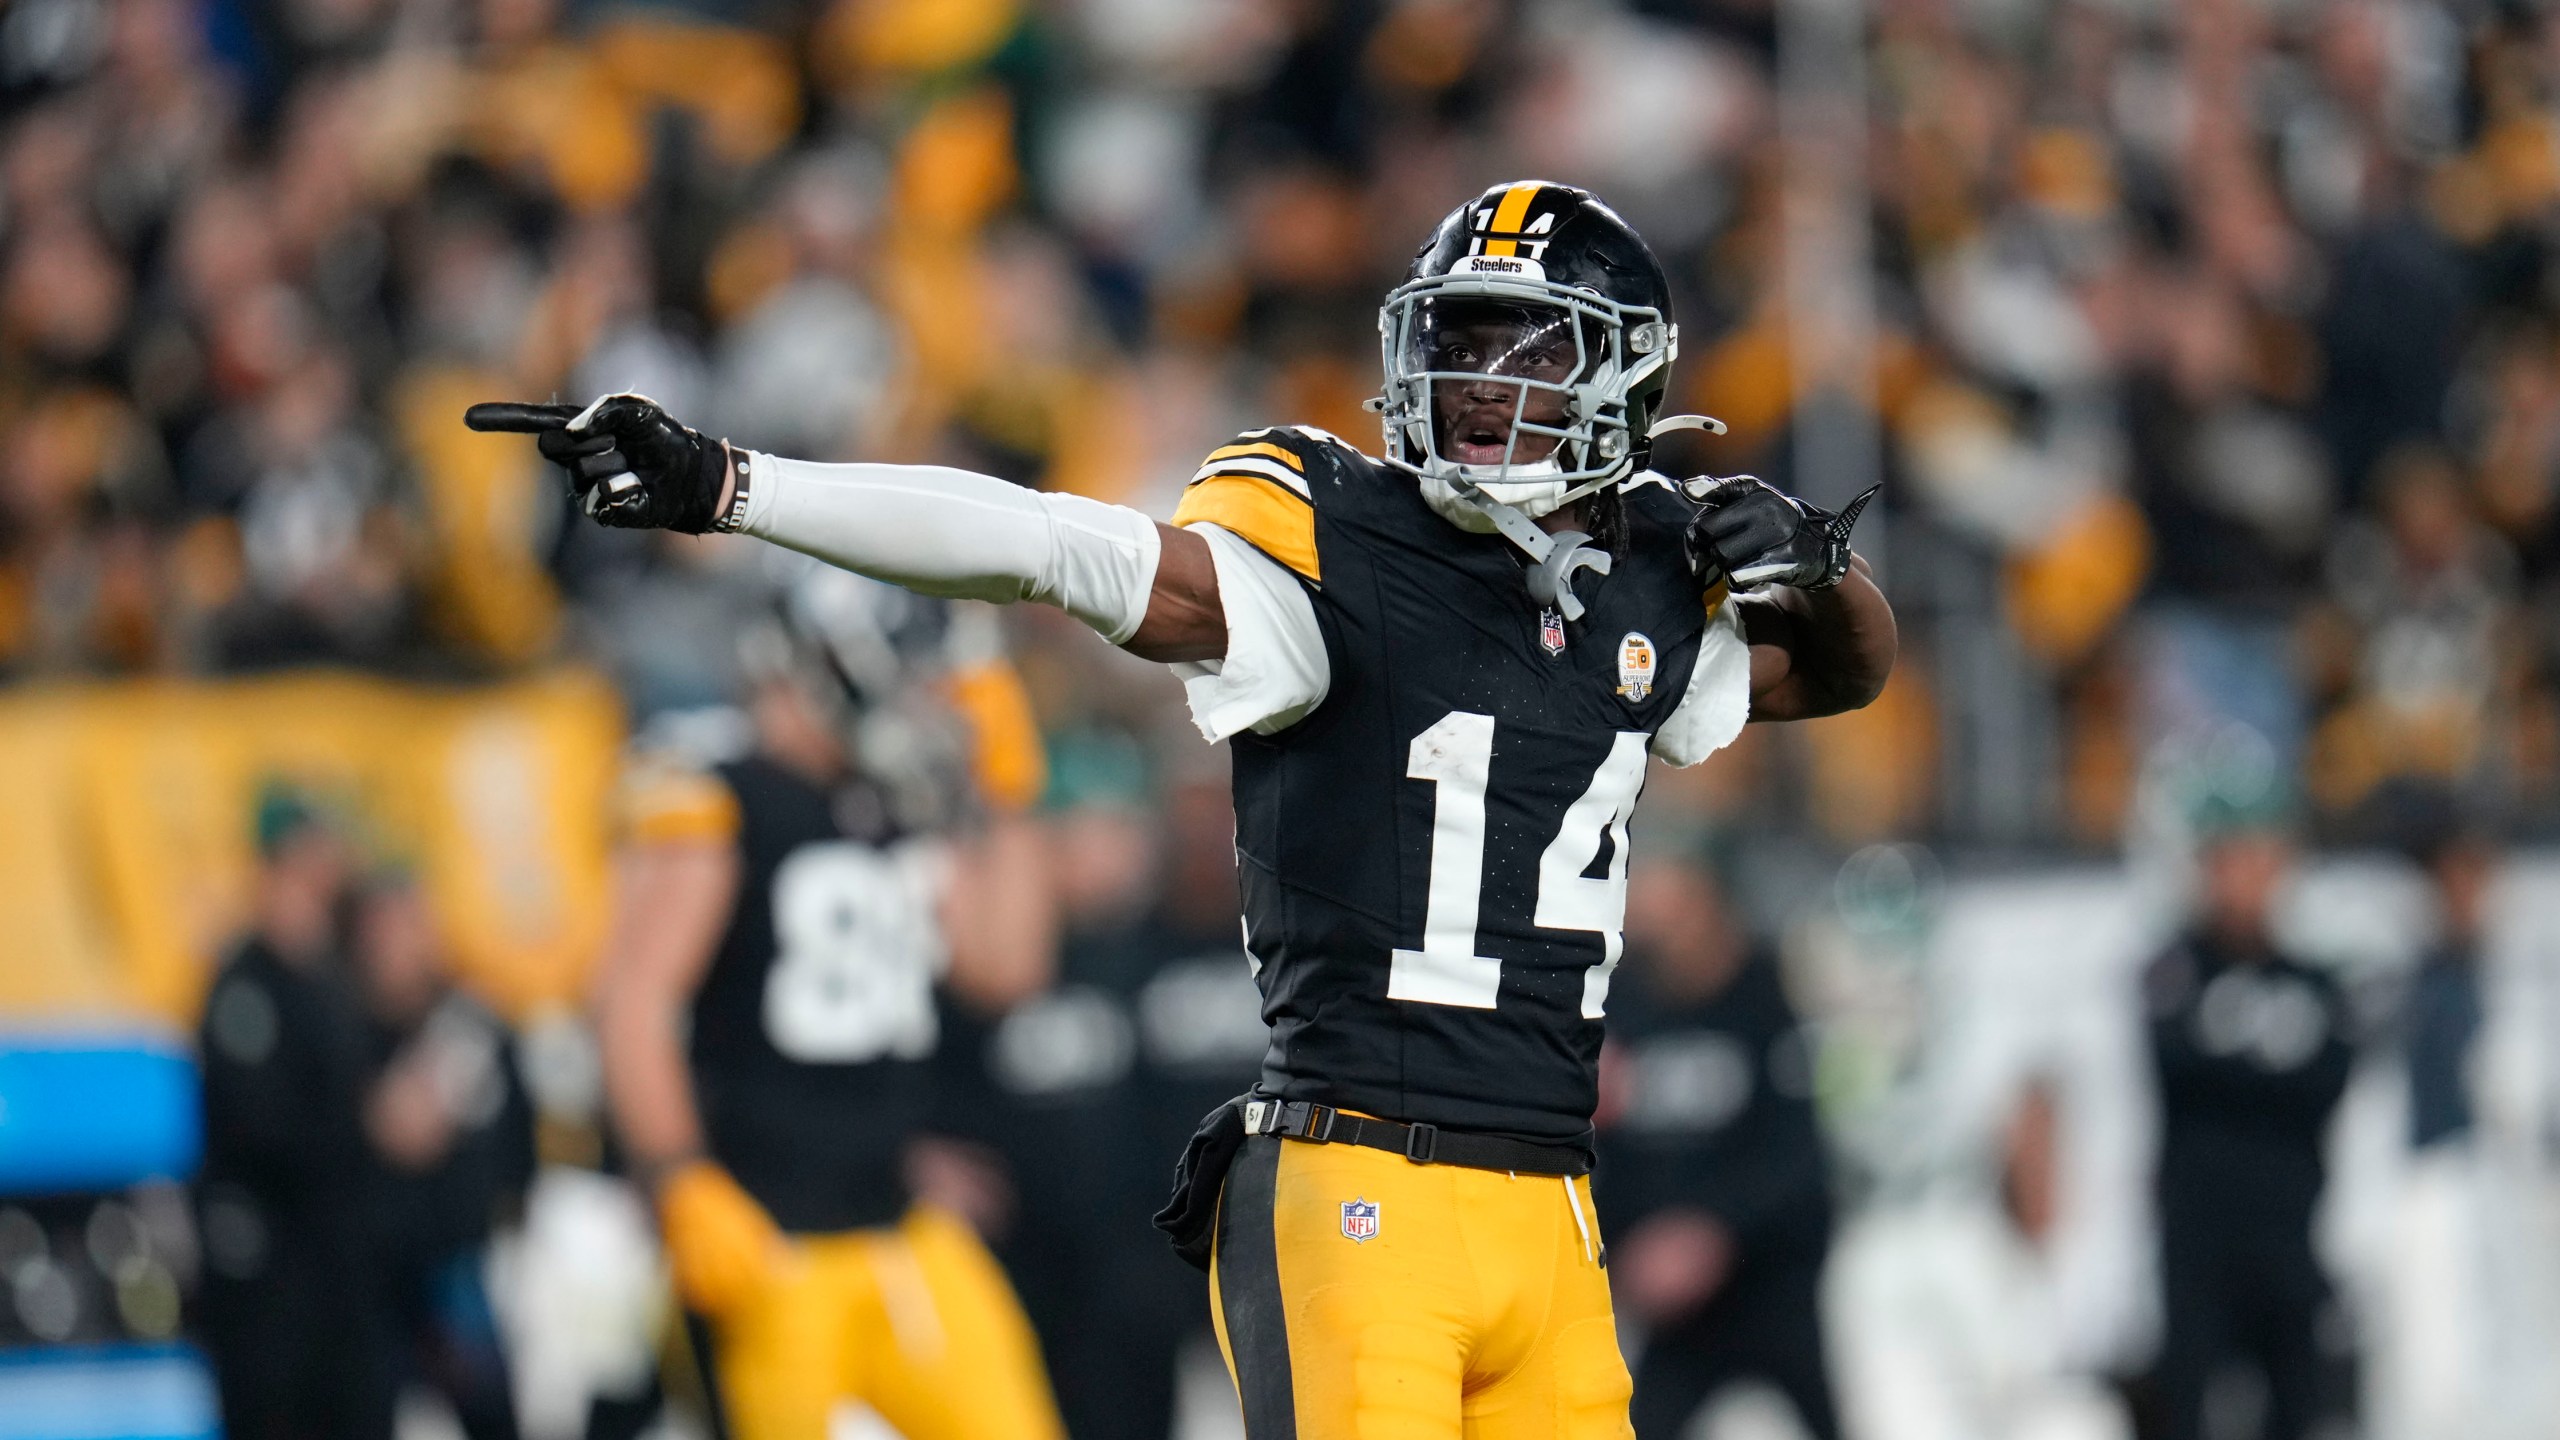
(1716, 595)
(1276, 452)
(1273, 519)
(667, 808)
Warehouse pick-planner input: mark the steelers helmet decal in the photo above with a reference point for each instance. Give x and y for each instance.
(1509, 230)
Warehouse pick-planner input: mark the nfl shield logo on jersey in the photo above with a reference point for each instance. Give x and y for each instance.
(1635, 666)
(1359, 1219)
(1551, 631)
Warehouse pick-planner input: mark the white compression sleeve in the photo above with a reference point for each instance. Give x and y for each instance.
(959, 534)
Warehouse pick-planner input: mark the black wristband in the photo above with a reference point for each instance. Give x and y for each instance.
(734, 518)
(648, 1175)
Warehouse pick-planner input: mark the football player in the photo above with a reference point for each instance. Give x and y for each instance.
(767, 1014)
(1442, 671)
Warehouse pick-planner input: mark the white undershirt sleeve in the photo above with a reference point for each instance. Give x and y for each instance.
(940, 531)
(1718, 701)
(1275, 670)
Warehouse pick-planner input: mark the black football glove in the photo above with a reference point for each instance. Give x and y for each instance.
(1753, 534)
(630, 464)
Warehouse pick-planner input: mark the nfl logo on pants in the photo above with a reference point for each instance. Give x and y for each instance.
(1359, 1219)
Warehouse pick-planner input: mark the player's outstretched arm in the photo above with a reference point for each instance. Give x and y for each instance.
(934, 530)
(1823, 638)
(1185, 619)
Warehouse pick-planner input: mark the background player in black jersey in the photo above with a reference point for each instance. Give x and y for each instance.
(1716, 1183)
(767, 1016)
(2251, 1047)
(1443, 671)
(1154, 1019)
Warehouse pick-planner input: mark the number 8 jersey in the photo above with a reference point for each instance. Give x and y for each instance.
(1433, 854)
(813, 1028)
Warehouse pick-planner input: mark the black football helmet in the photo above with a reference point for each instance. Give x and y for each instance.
(876, 661)
(1536, 293)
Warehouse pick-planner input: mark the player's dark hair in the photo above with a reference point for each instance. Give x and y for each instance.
(1604, 519)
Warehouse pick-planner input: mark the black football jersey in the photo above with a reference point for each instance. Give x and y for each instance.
(814, 1030)
(1434, 859)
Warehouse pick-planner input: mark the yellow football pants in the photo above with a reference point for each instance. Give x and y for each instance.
(1476, 1309)
(915, 1320)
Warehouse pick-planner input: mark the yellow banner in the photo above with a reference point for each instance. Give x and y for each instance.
(126, 815)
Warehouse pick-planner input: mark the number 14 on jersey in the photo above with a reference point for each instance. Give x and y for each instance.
(1456, 754)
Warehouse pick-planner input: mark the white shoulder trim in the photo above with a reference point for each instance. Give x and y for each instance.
(1271, 470)
(1718, 701)
(1275, 670)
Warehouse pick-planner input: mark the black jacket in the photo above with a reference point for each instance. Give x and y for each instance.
(1717, 1114)
(2251, 1053)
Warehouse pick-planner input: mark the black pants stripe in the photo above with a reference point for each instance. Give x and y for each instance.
(1249, 1293)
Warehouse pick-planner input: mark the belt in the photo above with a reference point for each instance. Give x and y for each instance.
(1421, 1144)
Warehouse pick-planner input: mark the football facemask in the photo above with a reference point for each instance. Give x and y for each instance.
(1503, 386)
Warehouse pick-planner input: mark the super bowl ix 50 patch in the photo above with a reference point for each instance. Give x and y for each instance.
(1635, 666)
(1359, 1219)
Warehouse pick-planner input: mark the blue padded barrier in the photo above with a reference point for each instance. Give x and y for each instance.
(84, 1113)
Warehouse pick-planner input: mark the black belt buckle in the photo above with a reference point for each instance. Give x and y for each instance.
(1320, 1120)
(1421, 1142)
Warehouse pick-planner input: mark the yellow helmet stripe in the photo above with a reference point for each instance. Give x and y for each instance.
(1510, 215)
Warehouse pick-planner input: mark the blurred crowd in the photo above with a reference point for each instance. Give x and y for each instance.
(2214, 357)
(2214, 348)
